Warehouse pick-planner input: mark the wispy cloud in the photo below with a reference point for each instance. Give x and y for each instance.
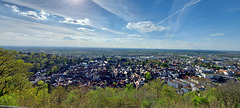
(134, 35)
(85, 21)
(217, 34)
(37, 30)
(31, 14)
(192, 2)
(175, 18)
(85, 29)
(15, 8)
(145, 26)
(76, 9)
(207, 38)
(121, 8)
(69, 38)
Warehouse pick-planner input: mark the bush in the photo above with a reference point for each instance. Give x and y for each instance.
(8, 100)
(197, 100)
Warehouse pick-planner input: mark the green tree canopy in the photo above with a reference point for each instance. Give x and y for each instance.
(164, 65)
(13, 73)
(148, 76)
(54, 69)
(51, 62)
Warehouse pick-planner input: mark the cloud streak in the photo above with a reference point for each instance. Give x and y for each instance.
(134, 35)
(192, 2)
(121, 8)
(85, 29)
(85, 21)
(31, 14)
(217, 34)
(69, 38)
(145, 26)
(36, 30)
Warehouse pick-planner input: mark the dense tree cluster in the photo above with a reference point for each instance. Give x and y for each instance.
(49, 62)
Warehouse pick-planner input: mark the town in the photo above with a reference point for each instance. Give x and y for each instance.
(184, 72)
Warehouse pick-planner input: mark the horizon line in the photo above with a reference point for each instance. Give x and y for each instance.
(120, 48)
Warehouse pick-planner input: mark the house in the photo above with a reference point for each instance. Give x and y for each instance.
(200, 81)
(207, 75)
(186, 89)
(175, 84)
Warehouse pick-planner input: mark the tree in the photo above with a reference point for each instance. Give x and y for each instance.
(8, 100)
(165, 65)
(13, 73)
(54, 69)
(159, 63)
(51, 62)
(148, 76)
(42, 62)
(238, 78)
(129, 87)
(143, 63)
(58, 95)
(37, 67)
(197, 100)
(114, 83)
(53, 57)
(70, 99)
(42, 95)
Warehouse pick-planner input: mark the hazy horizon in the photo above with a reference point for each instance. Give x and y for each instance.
(67, 47)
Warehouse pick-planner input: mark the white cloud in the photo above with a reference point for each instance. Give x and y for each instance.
(41, 32)
(217, 34)
(31, 14)
(15, 8)
(105, 28)
(44, 15)
(85, 21)
(85, 29)
(145, 26)
(134, 35)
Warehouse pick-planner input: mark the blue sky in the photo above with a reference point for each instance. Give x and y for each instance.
(158, 24)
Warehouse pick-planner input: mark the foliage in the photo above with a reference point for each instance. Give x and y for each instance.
(8, 100)
(129, 87)
(238, 78)
(54, 69)
(148, 75)
(164, 65)
(13, 73)
(114, 83)
(70, 99)
(199, 100)
(41, 61)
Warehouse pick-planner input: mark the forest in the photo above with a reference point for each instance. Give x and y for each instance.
(17, 90)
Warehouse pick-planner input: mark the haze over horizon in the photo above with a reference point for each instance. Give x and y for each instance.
(155, 24)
